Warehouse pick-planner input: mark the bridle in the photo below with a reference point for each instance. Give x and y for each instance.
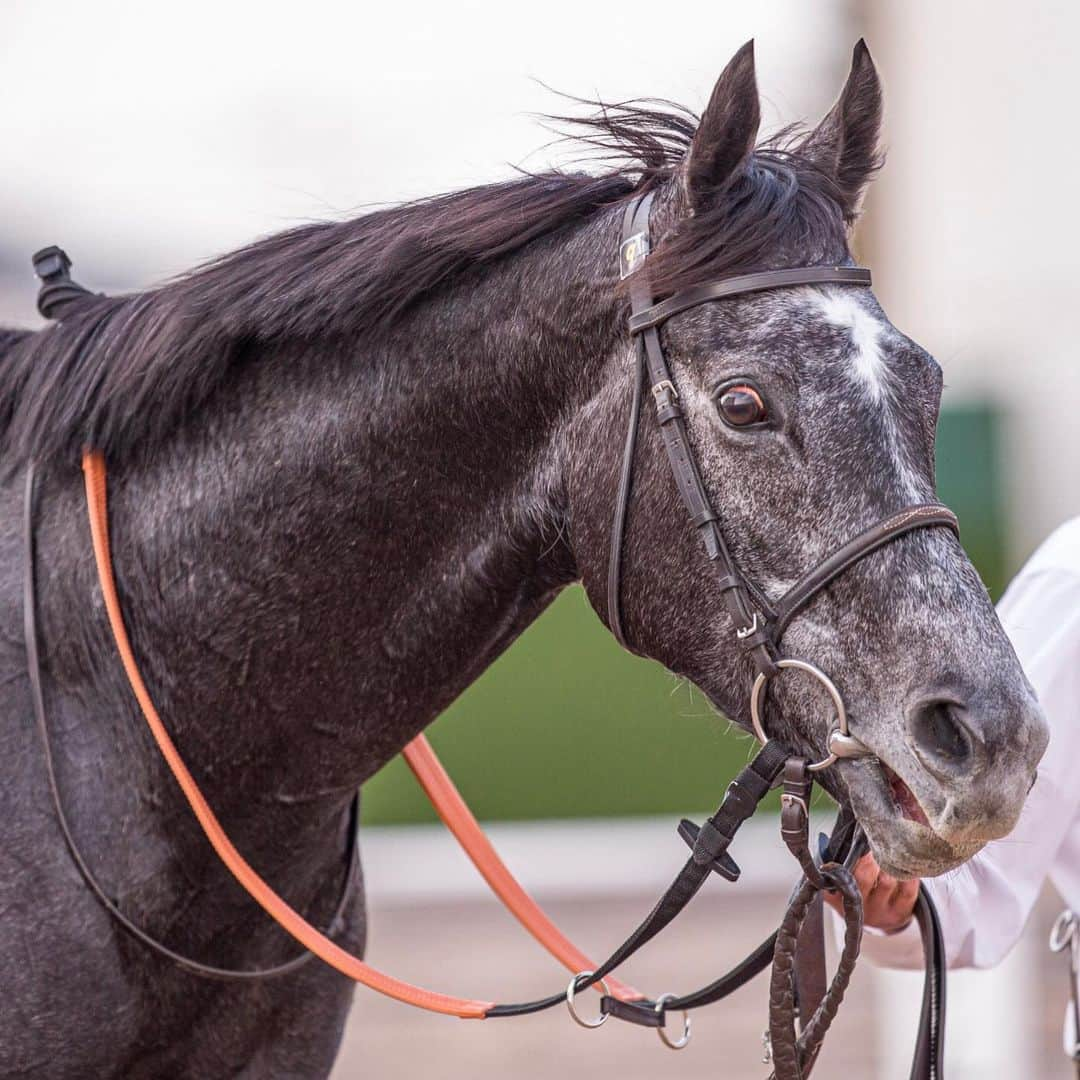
(758, 624)
(798, 989)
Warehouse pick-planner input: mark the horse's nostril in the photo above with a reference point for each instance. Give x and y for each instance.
(940, 732)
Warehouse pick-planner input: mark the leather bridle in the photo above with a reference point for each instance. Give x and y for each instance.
(798, 989)
(758, 624)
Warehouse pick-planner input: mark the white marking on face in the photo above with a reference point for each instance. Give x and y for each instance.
(868, 368)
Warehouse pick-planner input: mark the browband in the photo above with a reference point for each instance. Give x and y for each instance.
(746, 283)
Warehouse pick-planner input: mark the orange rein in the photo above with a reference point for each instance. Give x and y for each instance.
(421, 757)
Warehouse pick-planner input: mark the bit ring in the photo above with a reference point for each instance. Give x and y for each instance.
(841, 742)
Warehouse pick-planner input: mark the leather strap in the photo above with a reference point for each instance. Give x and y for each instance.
(739, 598)
(742, 798)
(657, 314)
(289, 919)
(810, 975)
(37, 698)
(459, 819)
(921, 516)
(622, 504)
(794, 1053)
(927, 1063)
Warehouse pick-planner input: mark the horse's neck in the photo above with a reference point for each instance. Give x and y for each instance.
(346, 538)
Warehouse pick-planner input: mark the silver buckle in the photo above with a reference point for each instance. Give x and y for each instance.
(632, 252)
(755, 625)
(662, 387)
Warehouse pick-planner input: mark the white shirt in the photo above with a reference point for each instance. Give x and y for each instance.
(985, 903)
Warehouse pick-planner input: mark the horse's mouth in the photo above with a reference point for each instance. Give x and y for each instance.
(904, 799)
(899, 829)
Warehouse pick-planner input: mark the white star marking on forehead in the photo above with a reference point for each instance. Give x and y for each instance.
(868, 365)
(870, 370)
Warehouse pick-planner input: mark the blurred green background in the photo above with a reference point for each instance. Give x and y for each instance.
(566, 724)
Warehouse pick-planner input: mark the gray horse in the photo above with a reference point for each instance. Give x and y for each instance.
(350, 463)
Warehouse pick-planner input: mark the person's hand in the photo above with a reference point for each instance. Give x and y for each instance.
(888, 903)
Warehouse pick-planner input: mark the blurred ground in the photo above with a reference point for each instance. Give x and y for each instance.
(1006, 1024)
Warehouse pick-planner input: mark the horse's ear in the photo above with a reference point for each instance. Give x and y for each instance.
(726, 135)
(845, 144)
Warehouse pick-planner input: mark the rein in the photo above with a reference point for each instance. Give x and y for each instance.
(801, 1005)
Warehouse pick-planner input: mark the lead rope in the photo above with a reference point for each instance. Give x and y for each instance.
(793, 1055)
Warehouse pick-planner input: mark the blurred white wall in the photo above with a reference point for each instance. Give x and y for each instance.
(972, 227)
(146, 137)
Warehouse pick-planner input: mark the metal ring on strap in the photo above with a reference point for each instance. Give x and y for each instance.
(1063, 932)
(841, 742)
(571, 990)
(665, 1038)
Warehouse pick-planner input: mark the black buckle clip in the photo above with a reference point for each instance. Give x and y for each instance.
(723, 864)
(52, 264)
(644, 1013)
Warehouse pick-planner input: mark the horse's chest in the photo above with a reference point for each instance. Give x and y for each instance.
(85, 1000)
(69, 997)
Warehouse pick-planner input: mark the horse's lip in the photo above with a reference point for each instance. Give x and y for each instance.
(904, 799)
(902, 845)
(884, 795)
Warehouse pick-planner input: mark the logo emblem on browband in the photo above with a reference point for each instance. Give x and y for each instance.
(632, 252)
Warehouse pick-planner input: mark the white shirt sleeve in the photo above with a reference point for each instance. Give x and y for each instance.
(985, 903)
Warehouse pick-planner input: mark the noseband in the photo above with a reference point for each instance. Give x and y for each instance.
(758, 624)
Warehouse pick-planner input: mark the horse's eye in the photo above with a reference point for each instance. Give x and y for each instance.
(741, 406)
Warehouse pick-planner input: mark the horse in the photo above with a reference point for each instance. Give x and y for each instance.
(351, 462)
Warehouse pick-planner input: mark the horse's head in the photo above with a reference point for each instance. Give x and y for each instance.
(813, 417)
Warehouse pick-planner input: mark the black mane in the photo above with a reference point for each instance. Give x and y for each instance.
(9, 337)
(125, 374)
